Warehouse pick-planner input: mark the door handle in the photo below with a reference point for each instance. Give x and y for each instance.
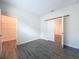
(62, 33)
(0, 35)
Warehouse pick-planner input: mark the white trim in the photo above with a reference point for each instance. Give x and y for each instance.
(62, 32)
(23, 42)
(0, 34)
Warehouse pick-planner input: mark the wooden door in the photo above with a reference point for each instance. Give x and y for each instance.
(8, 28)
(58, 32)
(9, 37)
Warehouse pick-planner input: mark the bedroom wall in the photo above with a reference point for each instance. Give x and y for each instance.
(47, 29)
(28, 24)
(71, 25)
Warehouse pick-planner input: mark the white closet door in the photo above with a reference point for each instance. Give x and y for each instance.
(50, 30)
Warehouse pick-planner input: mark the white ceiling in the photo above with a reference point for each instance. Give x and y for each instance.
(41, 7)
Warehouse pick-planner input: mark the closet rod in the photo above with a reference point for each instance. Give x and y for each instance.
(57, 17)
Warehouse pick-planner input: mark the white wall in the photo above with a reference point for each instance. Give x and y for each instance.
(47, 29)
(28, 29)
(71, 25)
(28, 24)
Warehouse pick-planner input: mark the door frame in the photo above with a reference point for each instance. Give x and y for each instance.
(0, 35)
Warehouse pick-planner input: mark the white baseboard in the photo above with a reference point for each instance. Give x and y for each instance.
(19, 43)
(72, 46)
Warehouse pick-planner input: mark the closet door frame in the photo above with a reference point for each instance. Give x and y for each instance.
(61, 34)
(0, 34)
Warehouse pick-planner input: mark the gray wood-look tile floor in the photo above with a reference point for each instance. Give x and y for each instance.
(43, 49)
